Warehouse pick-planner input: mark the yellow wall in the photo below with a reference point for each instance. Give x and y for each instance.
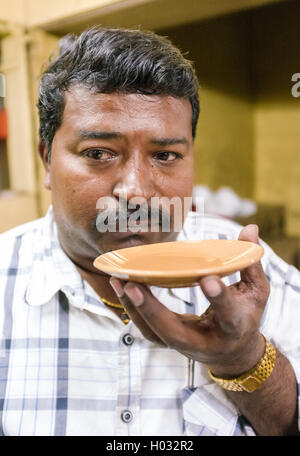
(276, 51)
(20, 204)
(62, 16)
(16, 209)
(13, 11)
(19, 109)
(249, 129)
(44, 11)
(41, 46)
(224, 145)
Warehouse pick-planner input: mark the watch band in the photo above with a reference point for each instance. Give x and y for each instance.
(252, 379)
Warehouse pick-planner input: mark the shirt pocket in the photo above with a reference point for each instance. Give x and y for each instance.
(207, 411)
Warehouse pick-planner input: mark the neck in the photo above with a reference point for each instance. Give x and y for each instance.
(99, 282)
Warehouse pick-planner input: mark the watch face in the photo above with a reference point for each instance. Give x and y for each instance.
(250, 384)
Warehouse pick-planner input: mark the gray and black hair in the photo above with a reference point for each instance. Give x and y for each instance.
(111, 60)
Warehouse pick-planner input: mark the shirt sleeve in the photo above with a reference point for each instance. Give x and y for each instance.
(281, 319)
(207, 411)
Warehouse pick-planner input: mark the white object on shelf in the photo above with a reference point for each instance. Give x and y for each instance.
(224, 202)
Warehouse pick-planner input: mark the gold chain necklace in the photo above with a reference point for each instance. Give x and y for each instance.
(124, 315)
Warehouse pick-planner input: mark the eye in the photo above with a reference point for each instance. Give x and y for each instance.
(167, 156)
(98, 154)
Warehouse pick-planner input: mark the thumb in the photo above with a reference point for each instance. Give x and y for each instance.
(255, 272)
(223, 302)
(249, 233)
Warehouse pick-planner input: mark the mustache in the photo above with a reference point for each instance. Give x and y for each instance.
(143, 215)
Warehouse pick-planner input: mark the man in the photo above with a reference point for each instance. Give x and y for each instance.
(118, 114)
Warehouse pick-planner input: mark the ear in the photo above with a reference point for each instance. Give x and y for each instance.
(43, 152)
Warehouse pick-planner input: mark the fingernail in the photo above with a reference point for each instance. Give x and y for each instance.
(212, 288)
(135, 295)
(255, 229)
(117, 287)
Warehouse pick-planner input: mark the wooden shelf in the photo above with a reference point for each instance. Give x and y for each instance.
(70, 15)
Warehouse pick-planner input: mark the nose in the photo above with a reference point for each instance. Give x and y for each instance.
(135, 180)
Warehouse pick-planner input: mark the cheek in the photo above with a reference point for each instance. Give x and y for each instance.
(186, 182)
(75, 194)
(74, 202)
(180, 183)
(178, 190)
(188, 177)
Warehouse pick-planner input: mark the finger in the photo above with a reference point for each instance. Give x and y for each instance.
(229, 314)
(254, 274)
(166, 324)
(118, 287)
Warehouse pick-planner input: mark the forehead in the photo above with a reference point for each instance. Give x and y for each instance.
(87, 109)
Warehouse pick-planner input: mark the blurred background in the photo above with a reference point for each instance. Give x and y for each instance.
(248, 142)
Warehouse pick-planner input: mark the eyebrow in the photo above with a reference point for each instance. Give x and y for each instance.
(168, 141)
(90, 134)
(99, 135)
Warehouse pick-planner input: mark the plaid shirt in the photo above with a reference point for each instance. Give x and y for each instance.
(69, 366)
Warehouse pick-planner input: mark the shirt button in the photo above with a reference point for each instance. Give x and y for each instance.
(126, 416)
(128, 339)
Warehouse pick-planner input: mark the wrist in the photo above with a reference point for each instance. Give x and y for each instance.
(241, 360)
(252, 379)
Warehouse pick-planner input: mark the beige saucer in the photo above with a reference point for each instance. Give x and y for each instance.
(180, 263)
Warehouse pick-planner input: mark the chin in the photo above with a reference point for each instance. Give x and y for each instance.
(126, 240)
(131, 241)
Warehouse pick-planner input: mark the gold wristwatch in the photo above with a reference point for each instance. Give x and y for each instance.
(252, 379)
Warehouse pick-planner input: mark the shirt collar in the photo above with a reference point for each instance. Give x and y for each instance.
(50, 267)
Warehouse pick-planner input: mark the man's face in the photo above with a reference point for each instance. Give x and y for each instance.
(109, 145)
